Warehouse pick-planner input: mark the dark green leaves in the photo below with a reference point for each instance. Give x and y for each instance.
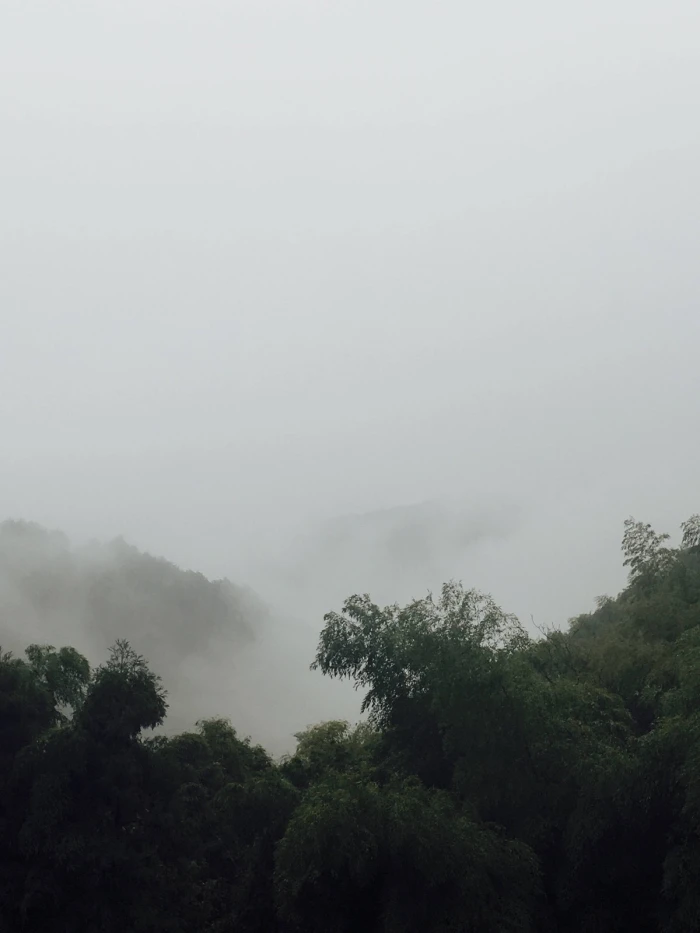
(500, 784)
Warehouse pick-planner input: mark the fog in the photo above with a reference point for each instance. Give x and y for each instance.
(269, 266)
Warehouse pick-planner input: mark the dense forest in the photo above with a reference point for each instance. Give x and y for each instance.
(499, 783)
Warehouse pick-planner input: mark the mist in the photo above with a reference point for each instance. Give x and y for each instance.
(335, 298)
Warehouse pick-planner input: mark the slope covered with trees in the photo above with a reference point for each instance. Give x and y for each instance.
(92, 595)
(498, 782)
(100, 589)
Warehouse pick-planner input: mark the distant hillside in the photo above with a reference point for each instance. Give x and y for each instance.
(410, 536)
(90, 596)
(396, 553)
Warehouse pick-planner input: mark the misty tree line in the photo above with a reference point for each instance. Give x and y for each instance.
(500, 784)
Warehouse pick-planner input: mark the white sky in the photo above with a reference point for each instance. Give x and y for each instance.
(267, 262)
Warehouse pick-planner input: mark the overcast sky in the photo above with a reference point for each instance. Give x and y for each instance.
(270, 261)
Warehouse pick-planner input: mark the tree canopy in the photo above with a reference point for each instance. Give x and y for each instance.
(499, 781)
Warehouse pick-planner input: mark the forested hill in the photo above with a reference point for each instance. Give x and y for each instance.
(501, 783)
(92, 595)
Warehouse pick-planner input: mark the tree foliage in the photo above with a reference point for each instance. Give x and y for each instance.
(500, 782)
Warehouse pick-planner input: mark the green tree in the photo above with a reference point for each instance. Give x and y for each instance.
(89, 861)
(65, 674)
(360, 856)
